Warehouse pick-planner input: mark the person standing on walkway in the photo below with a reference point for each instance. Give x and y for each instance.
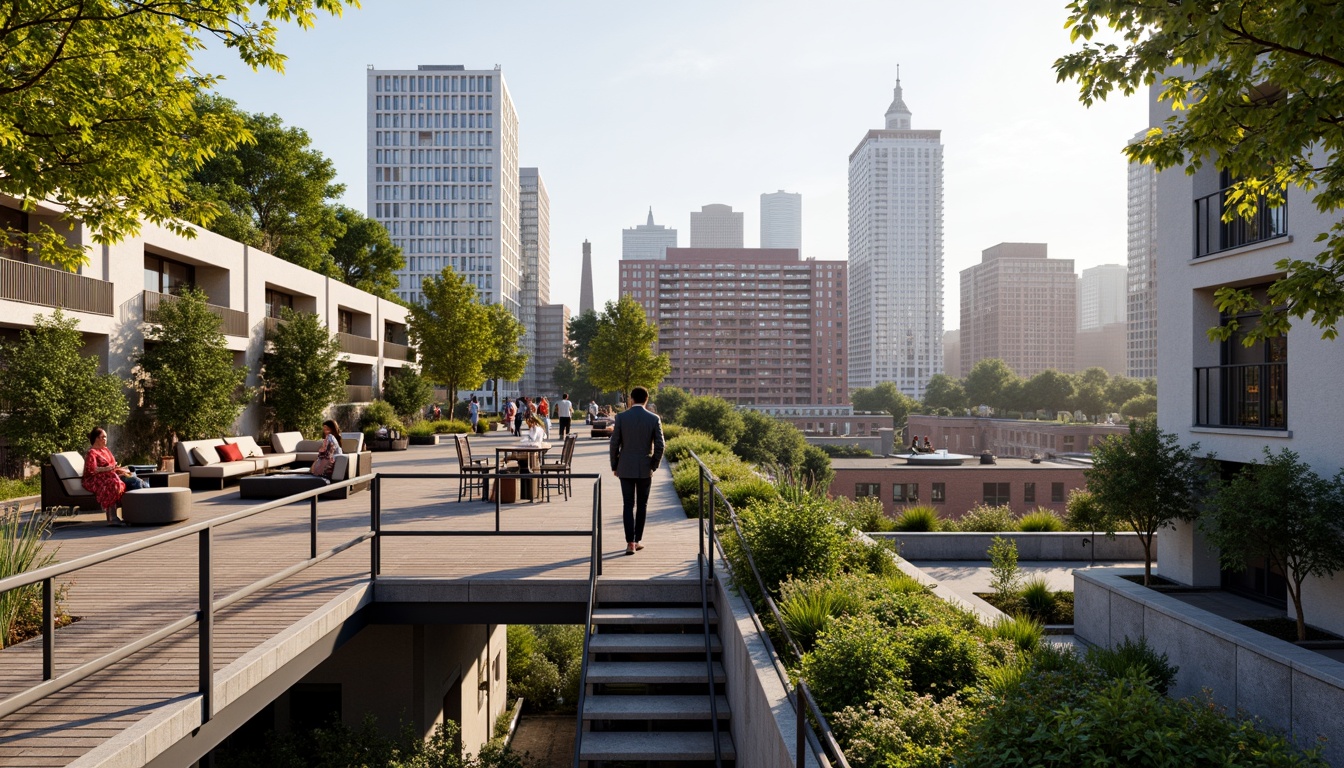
(636, 451)
(544, 411)
(564, 411)
(519, 413)
(474, 412)
(592, 411)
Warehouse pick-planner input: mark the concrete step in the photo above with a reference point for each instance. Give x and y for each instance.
(662, 615)
(652, 707)
(633, 643)
(643, 747)
(651, 672)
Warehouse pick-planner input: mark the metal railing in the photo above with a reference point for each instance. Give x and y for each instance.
(588, 625)
(1246, 396)
(824, 746)
(1213, 235)
(358, 393)
(233, 321)
(357, 345)
(50, 287)
(395, 351)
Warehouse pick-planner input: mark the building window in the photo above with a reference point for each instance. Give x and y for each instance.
(1213, 235)
(17, 222)
(345, 320)
(167, 276)
(1250, 388)
(866, 490)
(938, 493)
(997, 494)
(905, 493)
(277, 300)
(1057, 493)
(1068, 443)
(1029, 493)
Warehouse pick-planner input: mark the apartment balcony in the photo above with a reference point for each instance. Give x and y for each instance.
(358, 393)
(394, 351)
(48, 287)
(232, 322)
(1213, 235)
(357, 345)
(1250, 396)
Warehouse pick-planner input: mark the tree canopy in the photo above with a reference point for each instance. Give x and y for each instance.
(504, 357)
(991, 383)
(1255, 90)
(364, 255)
(884, 398)
(450, 332)
(621, 354)
(302, 372)
(96, 108)
(943, 391)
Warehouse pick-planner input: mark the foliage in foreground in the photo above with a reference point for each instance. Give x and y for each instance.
(337, 745)
(545, 662)
(22, 549)
(302, 372)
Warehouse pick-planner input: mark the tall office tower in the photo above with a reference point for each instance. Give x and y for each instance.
(1020, 307)
(952, 354)
(896, 255)
(647, 241)
(586, 287)
(756, 326)
(716, 226)
(1101, 296)
(443, 176)
(534, 233)
(782, 220)
(552, 336)
(1141, 333)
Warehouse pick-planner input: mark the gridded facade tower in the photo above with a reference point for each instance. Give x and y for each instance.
(1020, 307)
(716, 226)
(552, 336)
(443, 176)
(647, 241)
(896, 255)
(755, 326)
(782, 220)
(1101, 296)
(534, 231)
(1141, 333)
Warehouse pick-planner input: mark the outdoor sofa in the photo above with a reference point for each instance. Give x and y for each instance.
(288, 483)
(203, 464)
(305, 451)
(63, 482)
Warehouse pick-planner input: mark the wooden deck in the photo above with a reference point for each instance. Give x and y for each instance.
(120, 601)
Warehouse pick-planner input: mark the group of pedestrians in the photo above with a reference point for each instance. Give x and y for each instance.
(523, 410)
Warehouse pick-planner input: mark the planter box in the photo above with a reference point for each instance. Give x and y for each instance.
(424, 439)
(385, 444)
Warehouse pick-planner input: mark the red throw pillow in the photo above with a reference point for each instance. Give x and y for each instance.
(229, 452)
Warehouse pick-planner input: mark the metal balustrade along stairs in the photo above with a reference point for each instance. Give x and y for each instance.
(647, 689)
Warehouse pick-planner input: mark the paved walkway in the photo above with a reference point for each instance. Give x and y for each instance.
(966, 578)
(125, 599)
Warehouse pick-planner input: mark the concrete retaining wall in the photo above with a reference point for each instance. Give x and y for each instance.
(1030, 546)
(764, 722)
(1290, 688)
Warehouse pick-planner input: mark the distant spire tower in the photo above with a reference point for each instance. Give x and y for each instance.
(898, 115)
(586, 289)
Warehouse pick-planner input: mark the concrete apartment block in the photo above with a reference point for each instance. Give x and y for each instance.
(782, 220)
(1020, 307)
(716, 226)
(647, 241)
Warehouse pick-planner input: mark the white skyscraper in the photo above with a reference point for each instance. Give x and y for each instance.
(1141, 332)
(1101, 296)
(647, 241)
(443, 176)
(716, 226)
(782, 220)
(534, 232)
(896, 255)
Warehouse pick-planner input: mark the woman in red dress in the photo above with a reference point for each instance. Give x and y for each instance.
(104, 479)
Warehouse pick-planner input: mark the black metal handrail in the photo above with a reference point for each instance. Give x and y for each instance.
(1215, 234)
(802, 699)
(1242, 396)
(588, 622)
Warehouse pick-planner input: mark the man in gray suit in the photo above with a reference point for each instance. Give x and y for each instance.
(636, 451)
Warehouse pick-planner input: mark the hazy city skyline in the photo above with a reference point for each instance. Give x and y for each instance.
(672, 113)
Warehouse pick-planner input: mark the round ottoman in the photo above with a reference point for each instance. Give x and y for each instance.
(156, 506)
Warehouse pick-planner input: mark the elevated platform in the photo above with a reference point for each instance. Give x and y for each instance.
(935, 459)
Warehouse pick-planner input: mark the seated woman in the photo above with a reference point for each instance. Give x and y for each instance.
(104, 479)
(331, 448)
(536, 430)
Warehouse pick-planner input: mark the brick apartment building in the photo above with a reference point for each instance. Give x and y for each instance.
(755, 326)
(953, 490)
(1009, 437)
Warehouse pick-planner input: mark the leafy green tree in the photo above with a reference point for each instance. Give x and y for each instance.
(302, 372)
(943, 391)
(816, 467)
(571, 372)
(1122, 389)
(96, 108)
(53, 394)
(504, 357)
(364, 254)
(186, 373)
(1090, 399)
(1048, 389)
(990, 382)
(407, 391)
(450, 332)
(1139, 406)
(621, 355)
(670, 401)
(884, 398)
(1283, 511)
(273, 191)
(568, 376)
(715, 417)
(1143, 481)
(1255, 91)
(768, 441)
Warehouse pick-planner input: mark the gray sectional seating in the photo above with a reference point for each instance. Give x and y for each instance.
(200, 460)
(63, 482)
(305, 451)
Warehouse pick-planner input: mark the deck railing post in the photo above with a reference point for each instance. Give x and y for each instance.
(48, 629)
(312, 528)
(700, 519)
(376, 525)
(597, 511)
(802, 723)
(206, 623)
(713, 502)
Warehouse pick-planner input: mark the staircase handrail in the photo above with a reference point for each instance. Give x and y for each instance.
(593, 571)
(709, 657)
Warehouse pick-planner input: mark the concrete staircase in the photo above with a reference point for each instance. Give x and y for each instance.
(647, 690)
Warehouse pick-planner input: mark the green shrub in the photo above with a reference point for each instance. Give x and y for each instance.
(1037, 599)
(420, 429)
(1024, 632)
(672, 431)
(808, 607)
(862, 514)
(1004, 574)
(900, 730)
(531, 675)
(450, 427)
(376, 414)
(918, 519)
(941, 660)
(983, 518)
(854, 659)
(920, 609)
(741, 493)
(679, 448)
(714, 416)
(17, 489)
(789, 540)
(726, 467)
(1041, 520)
(1134, 656)
(877, 558)
(22, 548)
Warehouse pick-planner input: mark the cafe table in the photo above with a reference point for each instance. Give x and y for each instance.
(532, 453)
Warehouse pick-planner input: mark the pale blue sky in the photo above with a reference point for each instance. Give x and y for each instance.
(627, 105)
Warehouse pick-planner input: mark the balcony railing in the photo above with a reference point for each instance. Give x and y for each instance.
(234, 322)
(1250, 396)
(48, 287)
(358, 393)
(1213, 235)
(394, 351)
(357, 345)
